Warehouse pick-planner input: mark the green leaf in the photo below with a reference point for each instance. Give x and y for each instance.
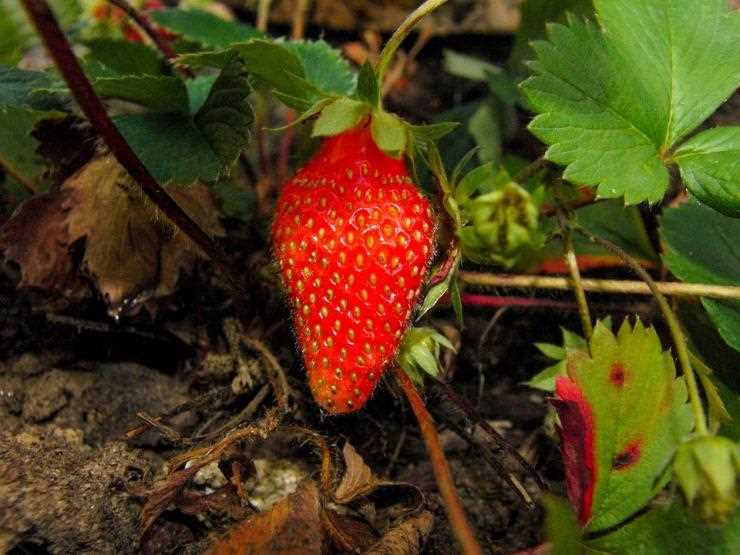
(158, 93)
(368, 88)
(17, 86)
(562, 529)
(171, 146)
(432, 132)
(573, 345)
(536, 14)
(183, 149)
(16, 33)
(277, 66)
(324, 66)
(17, 146)
(124, 57)
(226, 116)
(14, 37)
(235, 200)
(710, 167)
(468, 67)
(702, 247)
(623, 414)
(204, 27)
(389, 132)
(198, 90)
(670, 529)
(341, 115)
(484, 127)
(610, 116)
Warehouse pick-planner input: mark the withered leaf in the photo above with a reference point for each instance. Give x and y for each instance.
(405, 539)
(36, 238)
(347, 533)
(129, 248)
(292, 526)
(358, 479)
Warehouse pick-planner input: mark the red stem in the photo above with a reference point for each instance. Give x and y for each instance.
(145, 25)
(93, 108)
(453, 506)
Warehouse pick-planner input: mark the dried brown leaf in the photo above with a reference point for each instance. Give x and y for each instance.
(37, 239)
(358, 479)
(347, 533)
(129, 249)
(292, 526)
(405, 539)
(161, 496)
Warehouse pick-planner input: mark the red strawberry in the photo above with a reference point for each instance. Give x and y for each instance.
(353, 237)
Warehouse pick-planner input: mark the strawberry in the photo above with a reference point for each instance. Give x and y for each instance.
(353, 237)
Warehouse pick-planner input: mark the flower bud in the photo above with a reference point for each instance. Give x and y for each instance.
(707, 469)
(503, 226)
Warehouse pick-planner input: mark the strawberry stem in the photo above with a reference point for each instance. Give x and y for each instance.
(402, 32)
(453, 506)
(161, 42)
(569, 254)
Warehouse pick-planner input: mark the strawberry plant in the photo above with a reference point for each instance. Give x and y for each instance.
(160, 161)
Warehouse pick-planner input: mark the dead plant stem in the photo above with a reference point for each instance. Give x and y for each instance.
(453, 506)
(569, 253)
(616, 286)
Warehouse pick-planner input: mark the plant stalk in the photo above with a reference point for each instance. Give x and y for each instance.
(453, 506)
(679, 340)
(402, 32)
(263, 14)
(61, 52)
(162, 44)
(569, 253)
(617, 286)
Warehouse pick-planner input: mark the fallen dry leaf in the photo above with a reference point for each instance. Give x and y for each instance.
(347, 534)
(36, 238)
(405, 539)
(358, 479)
(292, 526)
(129, 249)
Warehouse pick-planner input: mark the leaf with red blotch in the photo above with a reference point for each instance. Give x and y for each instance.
(622, 414)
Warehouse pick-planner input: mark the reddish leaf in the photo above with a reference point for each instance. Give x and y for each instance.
(577, 441)
(622, 414)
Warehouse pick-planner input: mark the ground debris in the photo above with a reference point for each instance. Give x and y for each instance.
(66, 497)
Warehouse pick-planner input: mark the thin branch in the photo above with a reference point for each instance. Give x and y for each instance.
(162, 43)
(569, 253)
(531, 169)
(618, 286)
(402, 32)
(477, 420)
(679, 340)
(93, 108)
(299, 19)
(263, 14)
(455, 512)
